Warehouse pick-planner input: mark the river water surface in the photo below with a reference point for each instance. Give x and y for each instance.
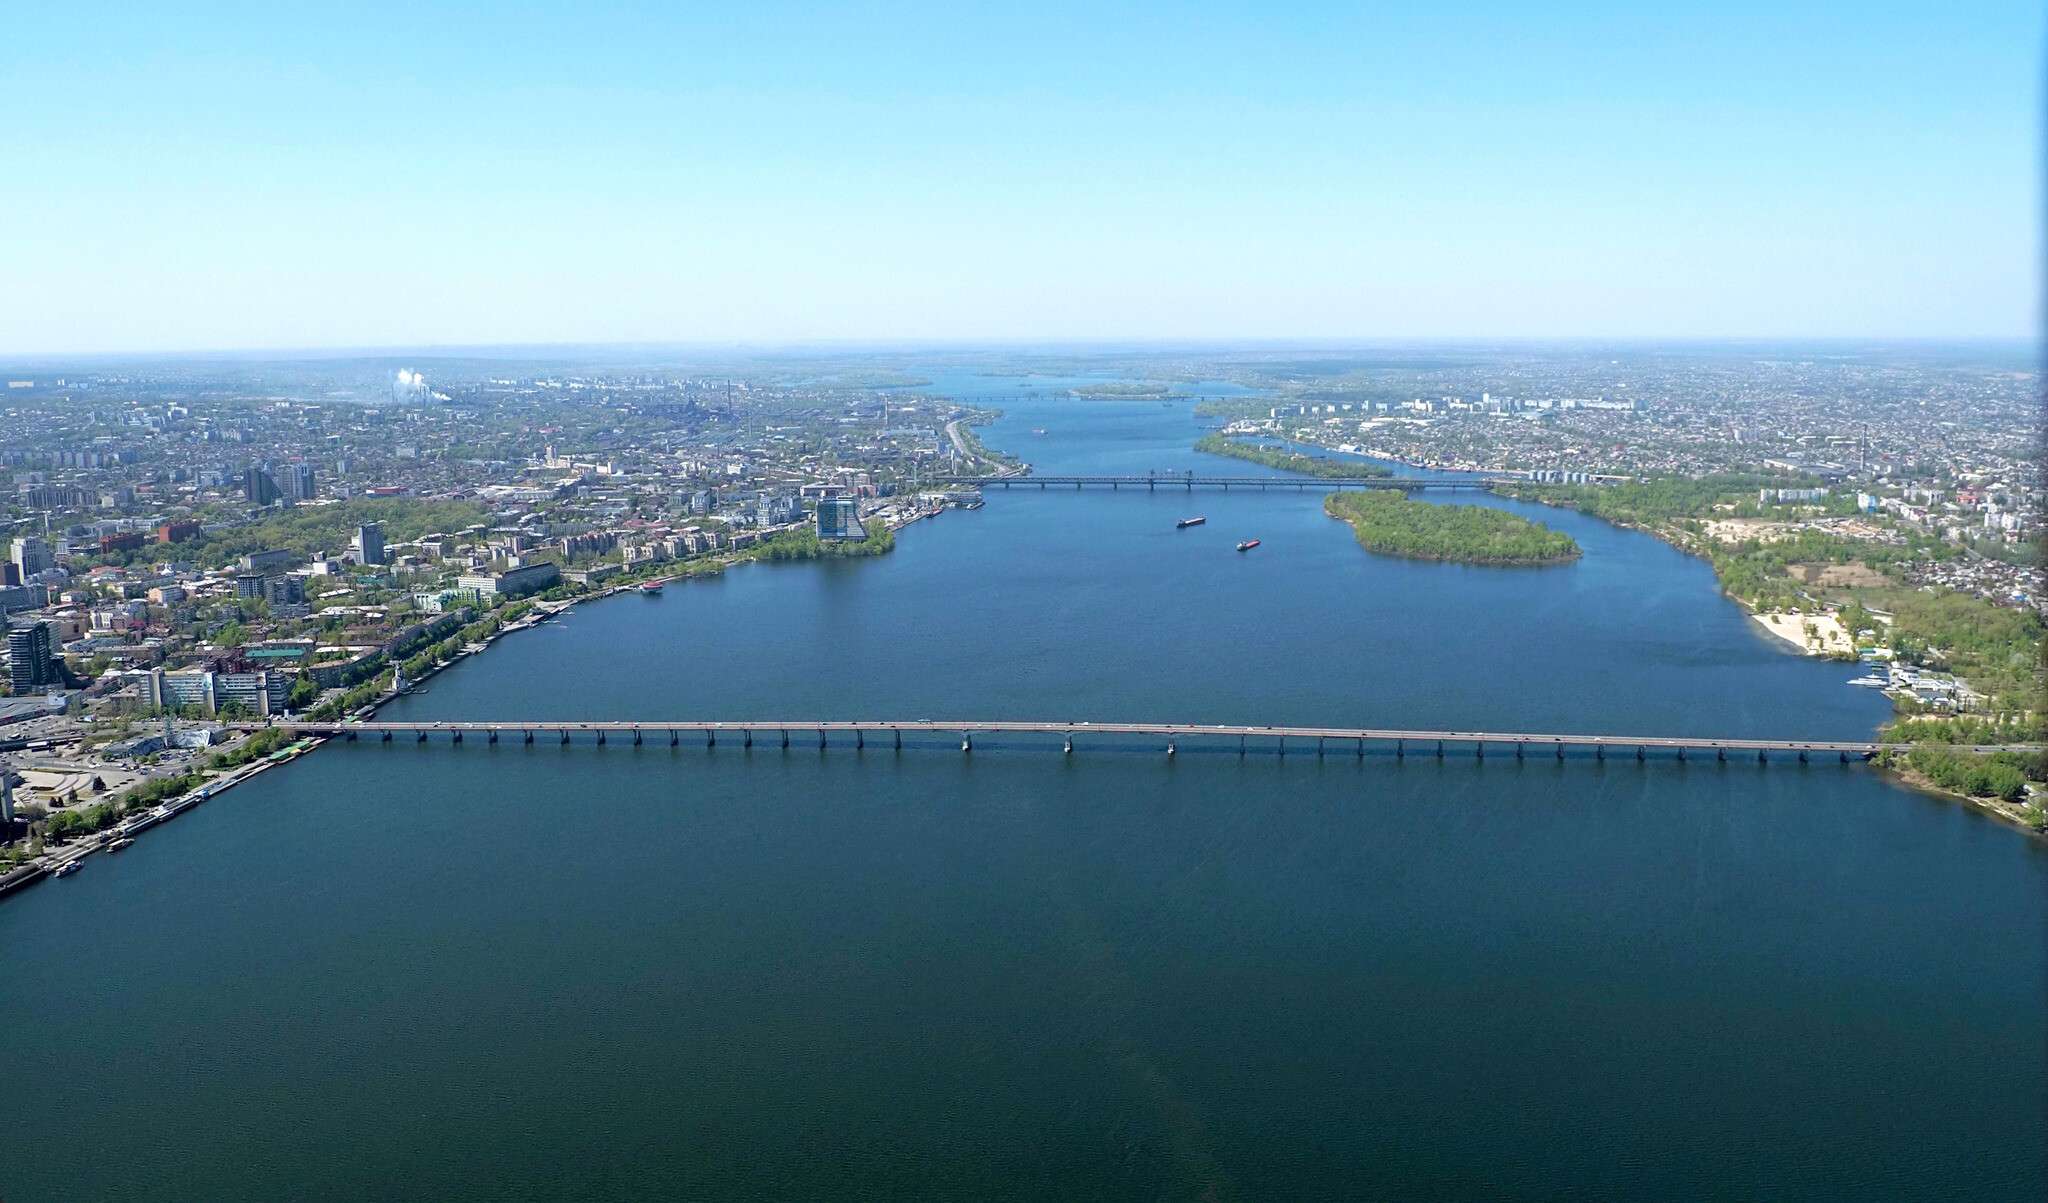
(511, 971)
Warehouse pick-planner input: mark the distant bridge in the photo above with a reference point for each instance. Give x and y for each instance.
(1318, 739)
(1188, 481)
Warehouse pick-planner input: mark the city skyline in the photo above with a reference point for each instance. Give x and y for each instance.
(781, 177)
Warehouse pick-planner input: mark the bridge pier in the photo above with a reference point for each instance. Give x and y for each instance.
(636, 737)
(674, 739)
(494, 735)
(1169, 746)
(747, 738)
(1802, 755)
(1361, 747)
(1845, 757)
(821, 739)
(1518, 751)
(1283, 747)
(387, 737)
(1319, 747)
(1681, 755)
(1439, 749)
(710, 738)
(785, 740)
(1761, 758)
(899, 737)
(1400, 749)
(423, 737)
(565, 739)
(457, 739)
(600, 737)
(1721, 755)
(1599, 751)
(528, 735)
(967, 741)
(1068, 748)
(1560, 749)
(351, 737)
(1639, 751)
(860, 739)
(1479, 750)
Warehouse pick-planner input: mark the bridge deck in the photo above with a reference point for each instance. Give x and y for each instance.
(1168, 731)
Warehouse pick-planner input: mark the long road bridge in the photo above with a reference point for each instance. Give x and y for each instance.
(1189, 480)
(1354, 740)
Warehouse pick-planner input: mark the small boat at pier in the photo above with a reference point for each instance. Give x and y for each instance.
(66, 869)
(650, 588)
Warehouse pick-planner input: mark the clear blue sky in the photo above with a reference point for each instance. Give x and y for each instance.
(413, 174)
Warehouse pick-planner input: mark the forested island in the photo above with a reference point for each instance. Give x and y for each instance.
(1395, 525)
(1288, 461)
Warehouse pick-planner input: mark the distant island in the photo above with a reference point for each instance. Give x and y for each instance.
(1395, 525)
(1288, 461)
(1110, 389)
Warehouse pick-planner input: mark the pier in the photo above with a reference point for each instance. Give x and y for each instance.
(1282, 740)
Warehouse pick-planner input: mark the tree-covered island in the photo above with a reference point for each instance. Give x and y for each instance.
(1393, 524)
(1288, 461)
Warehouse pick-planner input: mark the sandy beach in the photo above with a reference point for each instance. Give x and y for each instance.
(1792, 629)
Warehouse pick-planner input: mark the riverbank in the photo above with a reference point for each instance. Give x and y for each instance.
(1283, 460)
(141, 818)
(1830, 639)
(2016, 813)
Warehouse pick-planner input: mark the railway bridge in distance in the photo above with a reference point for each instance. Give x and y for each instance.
(1189, 481)
(1319, 740)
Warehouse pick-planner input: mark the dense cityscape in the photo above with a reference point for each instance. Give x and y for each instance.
(194, 545)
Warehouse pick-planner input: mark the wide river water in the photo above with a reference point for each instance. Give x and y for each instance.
(485, 972)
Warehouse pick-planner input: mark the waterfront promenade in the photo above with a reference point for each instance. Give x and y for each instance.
(1275, 738)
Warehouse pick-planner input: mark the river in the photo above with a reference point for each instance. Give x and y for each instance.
(484, 972)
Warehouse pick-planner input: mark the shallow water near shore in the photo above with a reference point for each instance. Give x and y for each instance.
(612, 973)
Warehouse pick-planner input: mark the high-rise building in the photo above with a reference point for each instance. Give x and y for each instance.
(297, 482)
(29, 666)
(259, 486)
(839, 518)
(32, 555)
(368, 544)
(260, 692)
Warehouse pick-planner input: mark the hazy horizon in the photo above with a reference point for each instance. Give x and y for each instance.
(768, 349)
